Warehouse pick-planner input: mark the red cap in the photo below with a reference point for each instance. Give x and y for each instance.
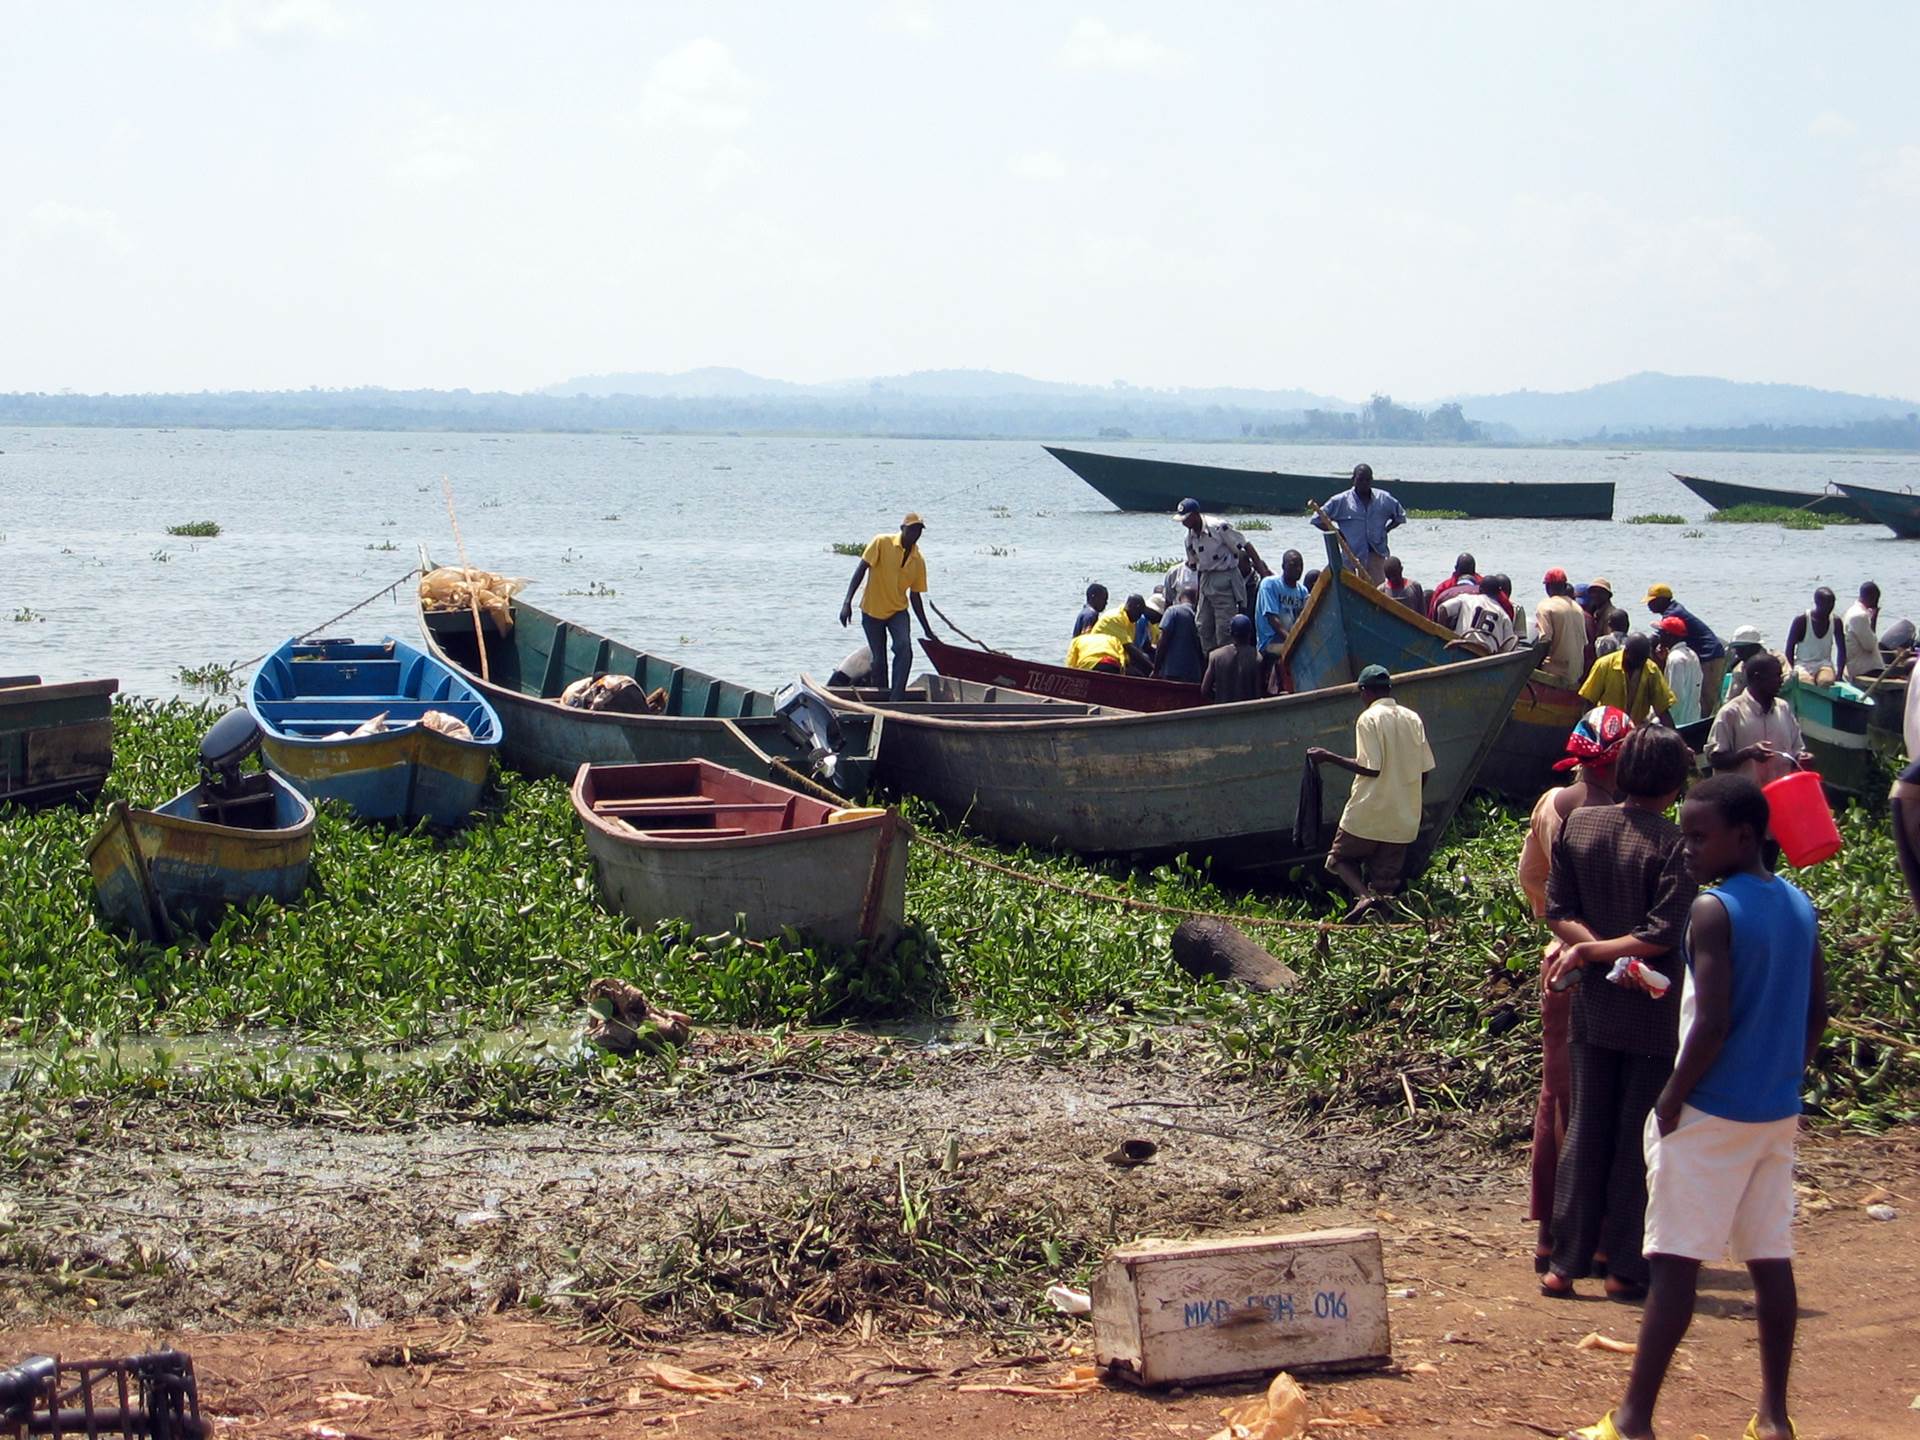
(1675, 626)
(1555, 576)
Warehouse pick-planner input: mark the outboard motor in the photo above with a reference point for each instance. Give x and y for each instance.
(227, 796)
(812, 725)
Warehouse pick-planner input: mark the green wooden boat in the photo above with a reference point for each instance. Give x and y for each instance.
(1137, 483)
(1725, 495)
(1898, 510)
(1835, 721)
(705, 718)
(56, 741)
(1220, 782)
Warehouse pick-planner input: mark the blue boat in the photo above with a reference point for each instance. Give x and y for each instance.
(231, 839)
(309, 698)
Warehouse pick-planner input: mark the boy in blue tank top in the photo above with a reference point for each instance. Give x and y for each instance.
(1720, 1140)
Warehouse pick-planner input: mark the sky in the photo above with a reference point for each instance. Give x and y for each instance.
(1419, 199)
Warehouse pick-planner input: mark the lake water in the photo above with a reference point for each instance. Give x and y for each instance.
(716, 550)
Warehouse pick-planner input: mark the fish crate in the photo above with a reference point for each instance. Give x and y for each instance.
(1176, 1312)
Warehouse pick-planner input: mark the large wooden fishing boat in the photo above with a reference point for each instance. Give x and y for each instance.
(311, 696)
(1725, 495)
(1135, 482)
(56, 741)
(1898, 510)
(700, 717)
(698, 842)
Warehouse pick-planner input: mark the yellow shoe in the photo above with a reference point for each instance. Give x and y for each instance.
(1605, 1430)
(1753, 1429)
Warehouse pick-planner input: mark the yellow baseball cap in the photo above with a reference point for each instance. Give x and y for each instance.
(913, 518)
(1658, 592)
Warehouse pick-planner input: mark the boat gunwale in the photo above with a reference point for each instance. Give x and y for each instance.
(345, 742)
(630, 838)
(183, 824)
(1386, 484)
(47, 691)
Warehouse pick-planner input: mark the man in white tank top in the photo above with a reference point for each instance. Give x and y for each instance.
(1812, 638)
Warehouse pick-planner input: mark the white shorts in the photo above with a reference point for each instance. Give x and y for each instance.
(1720, 1187)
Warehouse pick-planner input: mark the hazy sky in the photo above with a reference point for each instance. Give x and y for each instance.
(1418, 198)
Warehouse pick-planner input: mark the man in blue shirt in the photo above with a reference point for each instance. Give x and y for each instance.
(1719, 1143)
(1090, 612)
(1364, 516)
(1276, 607)
(1178, 656)
(1701, 640)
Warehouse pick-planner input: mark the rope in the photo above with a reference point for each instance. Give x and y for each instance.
(961, 633)
(350, 610)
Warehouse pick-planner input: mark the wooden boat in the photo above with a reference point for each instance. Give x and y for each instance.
(698, 842)
(1898, 510)
(1725, 495)
(1136, 483)
(1835, 721)
(704, 718)
(56, 741)
(310, 696)
(231, 839)
(1218, 782)
(1036, 677)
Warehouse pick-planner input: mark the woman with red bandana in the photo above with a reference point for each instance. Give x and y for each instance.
(1592, 749)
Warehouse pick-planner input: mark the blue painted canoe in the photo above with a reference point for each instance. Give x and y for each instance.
(309, 696)
(161, 872)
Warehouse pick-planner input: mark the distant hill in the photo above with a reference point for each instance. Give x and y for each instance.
(1651, 401)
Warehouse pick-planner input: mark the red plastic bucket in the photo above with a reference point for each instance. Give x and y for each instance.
(1802, 819)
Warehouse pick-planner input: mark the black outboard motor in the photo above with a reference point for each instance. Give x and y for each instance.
(227, 796)
(813, 726)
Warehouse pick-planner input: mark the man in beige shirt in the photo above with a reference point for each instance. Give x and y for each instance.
(1382, 818)
(1755, 733)
(1561, 622)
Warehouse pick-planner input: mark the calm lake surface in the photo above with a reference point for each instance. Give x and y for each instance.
(716, 550)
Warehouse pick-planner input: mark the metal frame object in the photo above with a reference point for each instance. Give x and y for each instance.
(140, 1397)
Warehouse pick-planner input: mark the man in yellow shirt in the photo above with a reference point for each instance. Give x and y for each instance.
(1383, 811)
(896, 573)
(1628, 680)
(1123, 624)
(1097, 650)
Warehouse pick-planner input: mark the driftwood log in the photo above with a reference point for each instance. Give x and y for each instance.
(1216, 949)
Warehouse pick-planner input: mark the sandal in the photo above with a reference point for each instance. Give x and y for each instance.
(1625, 1292)
(1605, 1430)
(1556, 1286)
(1753, 1429)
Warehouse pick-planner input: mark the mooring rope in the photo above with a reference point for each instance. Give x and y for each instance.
(350, 610)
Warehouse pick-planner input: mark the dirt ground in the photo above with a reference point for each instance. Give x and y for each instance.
(336, 1285)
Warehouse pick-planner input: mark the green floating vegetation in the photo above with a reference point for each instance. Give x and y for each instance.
(1657, 517)
(196, 529)
(221, 679)
(848, 547)
(1255, 524)
(27, 615)
(1154, 566)
(1787, 516)
(1436, 515)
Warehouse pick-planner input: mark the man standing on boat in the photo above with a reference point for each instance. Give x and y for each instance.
(1364, 517)
(1702, 640)
(895, 570)
(1215, 550)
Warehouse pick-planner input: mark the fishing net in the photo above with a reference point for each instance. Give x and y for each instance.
(457, 587)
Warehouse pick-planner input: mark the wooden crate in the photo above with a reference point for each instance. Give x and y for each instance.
(1173, 1312)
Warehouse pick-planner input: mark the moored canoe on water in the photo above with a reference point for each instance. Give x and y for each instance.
(705, 718)
(1835, 721)
(56, 741)
(1897, 510)
(698, 842)
(307, 697)
(1136, 483)
(1218, 782)
(1725, 495)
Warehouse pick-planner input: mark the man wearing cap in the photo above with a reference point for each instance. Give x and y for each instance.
(1364, 517)
(1382, 816)
(1557, 620)
(1685, 676)
(1747, 642)
(896, 573)
(1600, 611)
(1233, 670)
(1706, 644)
(1215, 550)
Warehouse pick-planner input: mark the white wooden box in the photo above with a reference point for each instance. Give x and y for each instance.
(1171, 1312)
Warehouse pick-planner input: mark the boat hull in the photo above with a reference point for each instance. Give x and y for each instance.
(1724, 495)
(304, 694)
(708, 719)
(1838, 733)
(1134, 483)
(158, 872)
(844, 883)
(1219, 782)
(56, 741)
(1060, 682)
(1899, 512)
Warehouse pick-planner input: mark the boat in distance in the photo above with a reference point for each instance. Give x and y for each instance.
(311, 696)
(695, 841)
(1725, 495)
(230, 839)
(1135, 482)
(701, 717)
(1898, 510)
(56, 741)
(1219, 782)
